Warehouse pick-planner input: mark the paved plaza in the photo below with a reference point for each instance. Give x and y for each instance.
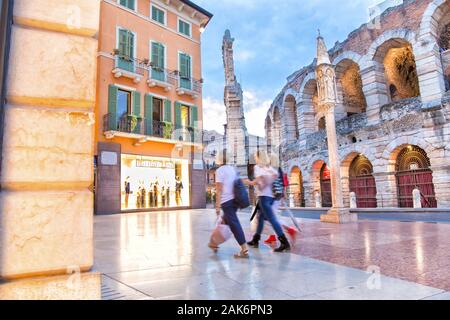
(165, 256)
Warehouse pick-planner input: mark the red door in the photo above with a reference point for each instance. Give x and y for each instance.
(325, 187)
(366, 191)
(413, 170)
(408, 180)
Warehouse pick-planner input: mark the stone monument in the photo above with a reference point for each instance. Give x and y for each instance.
(328, 99)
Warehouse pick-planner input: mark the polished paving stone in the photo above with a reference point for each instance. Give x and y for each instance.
(165, 256)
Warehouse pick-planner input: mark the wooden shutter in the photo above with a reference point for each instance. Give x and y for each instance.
(123, 39)
(160, 56)
(155, 53)
(194, 117)
(130, 44)
(183, 65)
(177, 115)
(112, 107)
(168, 111)
(148, 114)
(137, 104)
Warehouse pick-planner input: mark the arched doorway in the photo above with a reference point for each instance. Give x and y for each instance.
(296, 191)
(413, 170)
(362, 182)
(325, 186)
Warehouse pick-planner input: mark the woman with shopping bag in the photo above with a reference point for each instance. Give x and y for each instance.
(226, 177)
(265, 176)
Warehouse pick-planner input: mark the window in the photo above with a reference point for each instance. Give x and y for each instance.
(185, 71)
(123, 104)
(157, 109)
(126, 50)
(184, 28)
(158, 61)
(130, 4)
(158, 15)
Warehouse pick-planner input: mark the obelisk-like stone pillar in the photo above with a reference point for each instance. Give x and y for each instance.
(327, 91)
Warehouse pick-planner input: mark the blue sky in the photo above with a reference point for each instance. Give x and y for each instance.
(273, 40)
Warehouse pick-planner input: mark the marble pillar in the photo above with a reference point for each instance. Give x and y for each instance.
(328, 99)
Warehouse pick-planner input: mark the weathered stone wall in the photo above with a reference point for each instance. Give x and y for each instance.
(46, 214)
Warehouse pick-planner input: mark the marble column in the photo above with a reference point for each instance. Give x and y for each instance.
(328, 99)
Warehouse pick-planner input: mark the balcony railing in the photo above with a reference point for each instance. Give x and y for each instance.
(125, 124)
(190, 84)
(131, 125)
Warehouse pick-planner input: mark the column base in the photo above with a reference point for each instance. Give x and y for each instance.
(83, 286)
(339, 216)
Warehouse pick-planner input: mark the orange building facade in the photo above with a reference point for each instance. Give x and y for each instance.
(148, 150)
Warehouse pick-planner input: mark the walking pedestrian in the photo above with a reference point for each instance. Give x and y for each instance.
(226, 176)
(265, 176)
(279, 192)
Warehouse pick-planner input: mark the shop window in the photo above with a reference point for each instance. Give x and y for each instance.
(154, 183)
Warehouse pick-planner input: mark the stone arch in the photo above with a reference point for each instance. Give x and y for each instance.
(290, 119)
(434, 63)
(309, 113)
(347, 55)
(395, 34)
(364, 185)
(276, 129)
(429, 26)
(296, 190)
(268, 127)
(314, 182)
(397, 60)
(413, 170)
(350, 87)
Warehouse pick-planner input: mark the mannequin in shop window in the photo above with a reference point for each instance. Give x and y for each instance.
(163, 196)
(143, 196)
(156, 193)
(127, 191)
(151, 196)
(178, 189)
(168, 196)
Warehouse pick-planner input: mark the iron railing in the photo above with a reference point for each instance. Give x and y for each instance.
(158, 129)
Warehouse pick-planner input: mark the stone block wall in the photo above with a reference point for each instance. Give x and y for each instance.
(46, 200)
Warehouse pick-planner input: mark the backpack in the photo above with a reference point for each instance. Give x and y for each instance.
(278, 187)
(241, 198)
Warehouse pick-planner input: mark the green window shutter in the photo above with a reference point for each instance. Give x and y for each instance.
(148, 114)
(112, 107)
(137, 104)
(168, 111)
(161, 54)
(130, 44)
(177, 115)
(183, 69)
(194, 117)
(155, 52)
(123, 39)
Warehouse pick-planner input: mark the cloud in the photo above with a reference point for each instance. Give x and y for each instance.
(214, 114)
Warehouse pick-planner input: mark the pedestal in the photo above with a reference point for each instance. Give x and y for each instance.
(339, 216)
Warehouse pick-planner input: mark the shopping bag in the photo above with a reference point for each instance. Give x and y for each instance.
(221, 233)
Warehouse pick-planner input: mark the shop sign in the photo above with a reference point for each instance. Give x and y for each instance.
(159, 164)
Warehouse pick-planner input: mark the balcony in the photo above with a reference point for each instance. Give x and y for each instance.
(189, 86)
(128, 67)
(141, 130)
(163, 78)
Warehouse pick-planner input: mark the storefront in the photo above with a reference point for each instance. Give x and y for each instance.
(152, 183)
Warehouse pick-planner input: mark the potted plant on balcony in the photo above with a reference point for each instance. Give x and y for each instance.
(167, 130)
(133, 122)
(116, 52)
